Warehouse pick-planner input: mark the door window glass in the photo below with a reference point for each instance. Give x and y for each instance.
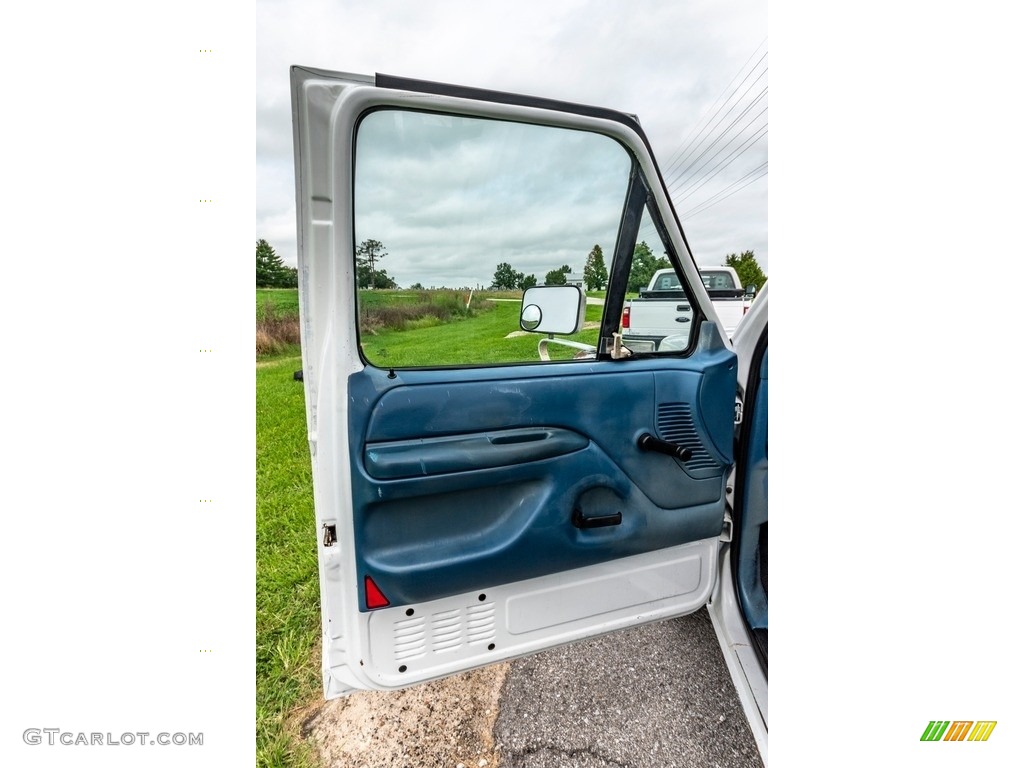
(455, 216)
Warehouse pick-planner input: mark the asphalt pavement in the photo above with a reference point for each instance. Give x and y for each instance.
(658, 695)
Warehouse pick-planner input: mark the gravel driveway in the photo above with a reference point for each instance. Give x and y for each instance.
(658, 695)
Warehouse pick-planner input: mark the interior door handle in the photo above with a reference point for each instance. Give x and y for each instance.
(648, 442)
(601, 521)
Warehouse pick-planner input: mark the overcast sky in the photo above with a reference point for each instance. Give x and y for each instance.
(692, 72)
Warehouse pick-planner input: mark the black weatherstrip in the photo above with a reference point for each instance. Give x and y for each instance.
(501, 97)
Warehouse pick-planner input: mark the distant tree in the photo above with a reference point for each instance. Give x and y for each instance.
(595, 273)
(381, 281)
(557, 276)
(368, 254)
(268, 264)
(643, 267)
(554, 277)
(506, 278)
(417, 286)
(747, 268)
(529, 281)
(270, 270)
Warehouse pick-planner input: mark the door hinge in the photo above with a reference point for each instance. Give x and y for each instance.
(330, 535)
(737, 412)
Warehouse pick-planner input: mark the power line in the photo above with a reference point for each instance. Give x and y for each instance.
(650, 231)
(718, 141)
(721, 134)
(685, 149)
(725, 163)
(761, 171)
(707, 159)
(683, 145)
(682, 181)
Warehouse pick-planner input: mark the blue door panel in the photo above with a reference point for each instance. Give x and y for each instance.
(471, 477)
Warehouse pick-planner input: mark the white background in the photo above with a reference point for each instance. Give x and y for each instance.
(129, 603)
(895, 418)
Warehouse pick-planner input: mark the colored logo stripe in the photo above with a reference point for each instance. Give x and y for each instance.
(982, 730)
(958, 730)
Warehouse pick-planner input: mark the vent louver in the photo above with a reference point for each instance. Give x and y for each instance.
(443, 631)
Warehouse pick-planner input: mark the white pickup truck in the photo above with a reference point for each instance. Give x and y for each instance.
(663, 309)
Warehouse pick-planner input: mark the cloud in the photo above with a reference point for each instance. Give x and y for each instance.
(452, 197)
(665, 62)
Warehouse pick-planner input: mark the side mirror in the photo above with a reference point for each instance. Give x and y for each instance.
(751, 290)
(553, 309)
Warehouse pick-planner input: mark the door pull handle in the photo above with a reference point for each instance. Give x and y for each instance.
(648, 442)
(601, 521)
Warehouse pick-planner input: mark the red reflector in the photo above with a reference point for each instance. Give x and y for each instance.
(625, 318)
(374, 597)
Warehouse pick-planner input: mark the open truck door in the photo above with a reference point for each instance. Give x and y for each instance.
(473, 502)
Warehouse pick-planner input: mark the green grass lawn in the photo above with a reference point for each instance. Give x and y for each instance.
(475, 341)
(430, 341)
(287, 589)
(285, 301)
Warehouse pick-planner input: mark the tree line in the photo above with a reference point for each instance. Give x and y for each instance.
(642, 269)
(271, 271)
(595, 272)
(595, 275)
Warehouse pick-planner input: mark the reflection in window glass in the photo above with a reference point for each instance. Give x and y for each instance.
(455, 216)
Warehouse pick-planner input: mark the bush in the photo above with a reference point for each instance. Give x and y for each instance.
(275, 331)
(277, 326)
(423, 309)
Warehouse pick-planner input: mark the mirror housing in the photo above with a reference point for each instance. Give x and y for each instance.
(553, 309)
(751, 290)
